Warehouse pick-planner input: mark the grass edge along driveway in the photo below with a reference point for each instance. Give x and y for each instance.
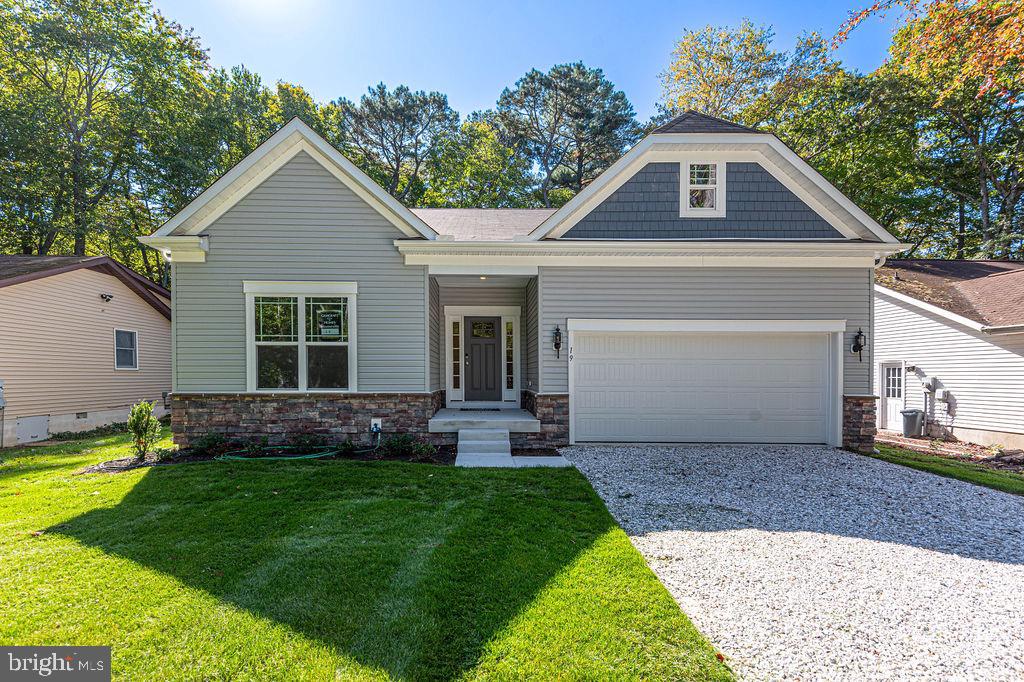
(1005, 481)
(323, 570)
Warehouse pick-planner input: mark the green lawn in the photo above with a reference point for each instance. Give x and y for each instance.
(330, 570)
(1006, 481)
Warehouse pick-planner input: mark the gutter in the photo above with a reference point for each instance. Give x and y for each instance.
(1004, 329)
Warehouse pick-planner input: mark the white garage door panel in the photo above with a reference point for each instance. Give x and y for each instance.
(701, 387)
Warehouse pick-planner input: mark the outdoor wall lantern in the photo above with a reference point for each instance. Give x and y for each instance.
(860, 342)
(556, 339)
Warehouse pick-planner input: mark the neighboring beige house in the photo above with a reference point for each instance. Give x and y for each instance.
(81, 340)
(949, 340)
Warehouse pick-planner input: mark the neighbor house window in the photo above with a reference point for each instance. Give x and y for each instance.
(301, 341)
(126, 349)
(702, 189)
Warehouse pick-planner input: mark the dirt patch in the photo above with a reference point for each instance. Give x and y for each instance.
(1006, 460)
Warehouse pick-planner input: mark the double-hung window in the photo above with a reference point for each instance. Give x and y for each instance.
(301, 336)
(702, 190)
(126, 349)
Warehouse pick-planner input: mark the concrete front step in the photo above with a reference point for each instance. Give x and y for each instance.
(508, 462)
(484, 447)
(483, 434)
(452, 421)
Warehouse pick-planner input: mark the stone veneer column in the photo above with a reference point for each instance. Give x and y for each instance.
(859, 422)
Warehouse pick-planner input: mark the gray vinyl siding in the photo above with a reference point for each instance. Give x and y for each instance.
(983, 373)
(436, 323)
(484, 296)
(301, 224)
(530, 324)
(707, 294)
(757, 207)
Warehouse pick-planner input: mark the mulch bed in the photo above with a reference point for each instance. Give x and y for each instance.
(1007, 460)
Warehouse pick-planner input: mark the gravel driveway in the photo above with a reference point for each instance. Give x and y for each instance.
(814, 563)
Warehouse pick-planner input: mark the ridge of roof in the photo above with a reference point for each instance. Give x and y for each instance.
(691, 121)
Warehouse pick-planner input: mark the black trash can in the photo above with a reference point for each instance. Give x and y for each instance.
(913, 422)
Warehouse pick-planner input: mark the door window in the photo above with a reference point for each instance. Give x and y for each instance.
(893, 382)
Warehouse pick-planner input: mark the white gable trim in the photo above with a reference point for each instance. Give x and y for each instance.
(737, 147)
(293, 138)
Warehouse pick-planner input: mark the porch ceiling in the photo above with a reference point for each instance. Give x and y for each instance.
(461, 281)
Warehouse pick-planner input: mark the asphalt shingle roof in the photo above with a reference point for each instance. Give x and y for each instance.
(483, 224)
(16, 266)
(987, 291)
(695, 122)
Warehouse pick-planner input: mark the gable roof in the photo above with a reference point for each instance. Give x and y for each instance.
(691, 121)
(695, 135)
(262, 162)
(987, 292)
(483, 224)
(21, 269)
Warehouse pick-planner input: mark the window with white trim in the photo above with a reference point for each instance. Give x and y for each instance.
(126, 349)
(299, 341)
(702, 191)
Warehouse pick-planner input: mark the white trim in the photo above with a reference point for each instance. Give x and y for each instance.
(935, 310)
(641, 326)
(138, 358)
(719, 164)
(252, 289)
(250, 286)
(483, 310)
(459, 313)
(834, 328)
(751, 146)
(482, 270)
(280, 148)
(180, 249)
(476, 256)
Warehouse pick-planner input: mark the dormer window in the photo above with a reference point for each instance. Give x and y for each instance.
(702, 189)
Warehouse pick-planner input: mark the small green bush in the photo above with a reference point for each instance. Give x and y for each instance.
(209, 444)
(144, 427)
(309, 441)
(408, 447)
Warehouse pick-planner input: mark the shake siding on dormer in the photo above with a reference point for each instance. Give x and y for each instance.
(757, 207)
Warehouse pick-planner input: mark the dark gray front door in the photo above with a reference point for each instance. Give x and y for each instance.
(483, 358)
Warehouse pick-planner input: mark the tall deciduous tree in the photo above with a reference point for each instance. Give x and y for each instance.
(471, 168)
(973, 43)
(103, 67)
(396, 131)
(720, 70)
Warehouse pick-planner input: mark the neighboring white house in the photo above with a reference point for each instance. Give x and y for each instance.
(949, 339)
(81, 340)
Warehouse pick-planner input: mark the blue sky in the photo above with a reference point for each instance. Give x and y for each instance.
(470, 51)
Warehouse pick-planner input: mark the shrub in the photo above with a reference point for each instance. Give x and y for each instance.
(408, 447)
(309, 441)
(209, 444)
(144, 427)
(113, 429)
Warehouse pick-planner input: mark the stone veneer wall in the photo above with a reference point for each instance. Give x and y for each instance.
(859, 422)
(553, 412)
(281, 416)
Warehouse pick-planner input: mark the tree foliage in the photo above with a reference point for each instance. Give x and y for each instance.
(971, 44)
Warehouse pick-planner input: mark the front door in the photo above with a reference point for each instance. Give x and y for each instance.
(483, 358)
(892, 396)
